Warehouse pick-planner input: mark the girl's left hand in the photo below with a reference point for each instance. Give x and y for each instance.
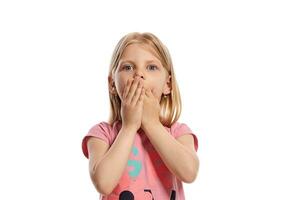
(151, 109)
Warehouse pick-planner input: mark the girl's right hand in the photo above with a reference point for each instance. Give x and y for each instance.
(132, 104)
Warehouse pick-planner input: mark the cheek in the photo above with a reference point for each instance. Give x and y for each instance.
(120, 87)
(157, 93)
(156, 90)
(120, 84)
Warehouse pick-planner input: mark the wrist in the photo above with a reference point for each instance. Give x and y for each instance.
(129, 129)
(150, 124)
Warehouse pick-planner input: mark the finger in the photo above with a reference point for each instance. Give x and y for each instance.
(137, 93)
(142, 96)
(132, 89)
(127, 87)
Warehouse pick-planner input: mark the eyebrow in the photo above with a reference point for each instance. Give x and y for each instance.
(148, 61)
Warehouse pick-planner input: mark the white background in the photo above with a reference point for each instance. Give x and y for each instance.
(236, 62)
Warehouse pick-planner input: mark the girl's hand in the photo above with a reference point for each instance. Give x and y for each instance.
(151, 109)
(132, 104)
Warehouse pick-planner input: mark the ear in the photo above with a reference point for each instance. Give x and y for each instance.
(111, 86)
(168, 85)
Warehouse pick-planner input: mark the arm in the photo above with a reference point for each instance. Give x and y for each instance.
(180, 159)
(107, 169)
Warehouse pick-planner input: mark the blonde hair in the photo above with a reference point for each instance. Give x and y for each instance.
(170, 104)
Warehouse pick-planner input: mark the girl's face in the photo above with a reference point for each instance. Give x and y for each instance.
(139, 61)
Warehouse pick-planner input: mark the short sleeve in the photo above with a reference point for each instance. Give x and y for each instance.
(179, 129)
(101, 131)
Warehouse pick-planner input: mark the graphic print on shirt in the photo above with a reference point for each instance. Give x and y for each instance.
(130, 178)
(137, 165)
(131, 185)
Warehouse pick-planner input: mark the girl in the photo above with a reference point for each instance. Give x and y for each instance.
(142, 152)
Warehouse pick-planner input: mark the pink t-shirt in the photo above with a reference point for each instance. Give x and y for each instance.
(146, 176)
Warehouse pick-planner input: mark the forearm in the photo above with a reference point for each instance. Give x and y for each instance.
(180, 160)
(110, 169)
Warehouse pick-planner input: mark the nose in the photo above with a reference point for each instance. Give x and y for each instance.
(140, 75)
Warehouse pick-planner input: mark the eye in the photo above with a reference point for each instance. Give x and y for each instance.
(126, 67)
(152, 67)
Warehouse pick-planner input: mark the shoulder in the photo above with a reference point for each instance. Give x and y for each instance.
(105, 129)
(101, 130)
(184, 134)
(100, 125)
(179, 128)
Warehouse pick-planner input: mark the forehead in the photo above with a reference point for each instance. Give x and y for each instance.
(139, 52)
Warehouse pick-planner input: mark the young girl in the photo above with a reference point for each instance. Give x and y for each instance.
(142, 152)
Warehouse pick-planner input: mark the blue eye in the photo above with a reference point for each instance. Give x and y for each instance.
(152, 66)
(127, 67)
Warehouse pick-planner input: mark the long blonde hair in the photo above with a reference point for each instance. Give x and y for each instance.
(170, 104)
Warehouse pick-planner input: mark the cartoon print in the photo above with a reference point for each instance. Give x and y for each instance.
(130, 177)
(127, 195)
(137, 165)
